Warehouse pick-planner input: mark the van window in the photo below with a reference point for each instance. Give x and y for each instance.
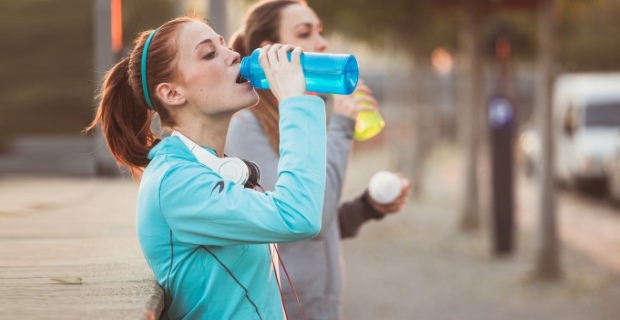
(602, 114)
(570, 120)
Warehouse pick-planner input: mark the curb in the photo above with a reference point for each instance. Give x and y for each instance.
(155, 304)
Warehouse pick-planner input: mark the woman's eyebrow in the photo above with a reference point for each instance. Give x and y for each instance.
(303, 24)
(203, 42)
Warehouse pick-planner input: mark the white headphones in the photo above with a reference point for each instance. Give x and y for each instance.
(230, 168)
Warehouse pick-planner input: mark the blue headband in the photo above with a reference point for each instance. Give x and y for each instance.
(145, 88)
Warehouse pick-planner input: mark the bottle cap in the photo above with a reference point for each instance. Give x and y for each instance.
(384, 187)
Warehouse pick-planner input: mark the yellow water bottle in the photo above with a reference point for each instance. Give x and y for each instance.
(368, 122)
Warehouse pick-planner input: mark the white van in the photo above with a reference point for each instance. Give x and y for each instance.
(586, 122)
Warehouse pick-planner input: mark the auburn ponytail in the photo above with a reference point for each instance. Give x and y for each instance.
(123, 113)
(124, 118)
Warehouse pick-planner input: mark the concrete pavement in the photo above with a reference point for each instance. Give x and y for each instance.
(414, 265)
(56, 231)
(417, 265)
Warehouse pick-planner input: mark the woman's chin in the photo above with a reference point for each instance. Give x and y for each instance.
(255, 99)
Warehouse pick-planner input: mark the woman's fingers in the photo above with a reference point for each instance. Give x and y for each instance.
(351, 105)
(285, 77)
(272, 53)
(365, 102)
(362, 88)
(296, 55)
(398, 203)
(262, 57)
(283, 53)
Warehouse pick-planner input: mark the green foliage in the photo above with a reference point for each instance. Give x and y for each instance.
(48, 77)
(139, 15)
(45, 77)
(587, 34)
(519, 27)
(47, 72)
(415, 26)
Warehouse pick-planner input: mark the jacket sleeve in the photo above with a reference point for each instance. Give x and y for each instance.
(354, 213)
(203, 209)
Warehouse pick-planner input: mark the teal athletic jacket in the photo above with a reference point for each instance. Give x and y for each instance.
(206, 239)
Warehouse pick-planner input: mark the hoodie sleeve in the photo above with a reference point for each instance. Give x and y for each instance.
(354, 213)
(339, 145)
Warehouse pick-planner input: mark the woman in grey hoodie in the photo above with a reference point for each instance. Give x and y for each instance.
(315, 265)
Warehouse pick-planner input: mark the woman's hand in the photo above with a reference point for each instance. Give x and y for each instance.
(397, 204)
(286, 78)
(349, 106)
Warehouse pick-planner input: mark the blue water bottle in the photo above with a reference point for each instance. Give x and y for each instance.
(324, 72)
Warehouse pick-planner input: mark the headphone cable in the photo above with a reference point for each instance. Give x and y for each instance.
(289, 282)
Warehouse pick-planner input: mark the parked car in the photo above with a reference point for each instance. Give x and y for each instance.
(586, 124)
(613, 174)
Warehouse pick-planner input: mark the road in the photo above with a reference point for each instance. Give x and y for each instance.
(588, 223)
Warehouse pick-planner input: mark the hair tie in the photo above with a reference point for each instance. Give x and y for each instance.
(145, 88)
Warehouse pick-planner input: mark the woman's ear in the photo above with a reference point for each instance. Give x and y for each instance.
(169, 94)
(264, 43)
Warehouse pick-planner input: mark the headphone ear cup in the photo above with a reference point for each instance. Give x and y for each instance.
(234, 169)
(254, 174)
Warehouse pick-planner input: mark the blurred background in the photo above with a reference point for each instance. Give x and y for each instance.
(504, 114)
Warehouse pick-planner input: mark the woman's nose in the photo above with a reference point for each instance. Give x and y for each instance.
(321, 44)
(235, 56)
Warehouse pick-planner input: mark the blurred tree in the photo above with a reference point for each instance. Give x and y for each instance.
(518, 27)
(547, 265)
(588, 35)
(415, 27)
(139, 15)
(46, 65)
(45, 74)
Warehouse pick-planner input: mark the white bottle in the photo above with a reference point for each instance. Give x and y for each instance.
(384, 187)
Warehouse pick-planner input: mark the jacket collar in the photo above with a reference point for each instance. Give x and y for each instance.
(171, 145)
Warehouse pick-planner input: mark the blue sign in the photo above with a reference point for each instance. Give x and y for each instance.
(501, 112)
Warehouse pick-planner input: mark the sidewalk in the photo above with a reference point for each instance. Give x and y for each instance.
(54, 231)
(414, 265)
(418, 265)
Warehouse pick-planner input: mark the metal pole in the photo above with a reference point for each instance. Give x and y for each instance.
(217, 17)
(105, 165)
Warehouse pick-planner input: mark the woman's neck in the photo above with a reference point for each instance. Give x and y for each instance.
(207, 133)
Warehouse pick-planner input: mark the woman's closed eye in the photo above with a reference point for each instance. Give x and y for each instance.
(209, 55)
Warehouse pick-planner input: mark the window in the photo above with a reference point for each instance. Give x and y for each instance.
(603, 114)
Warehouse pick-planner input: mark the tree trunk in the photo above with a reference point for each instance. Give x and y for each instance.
(471, 77)
(417, 140)
(547, 264)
